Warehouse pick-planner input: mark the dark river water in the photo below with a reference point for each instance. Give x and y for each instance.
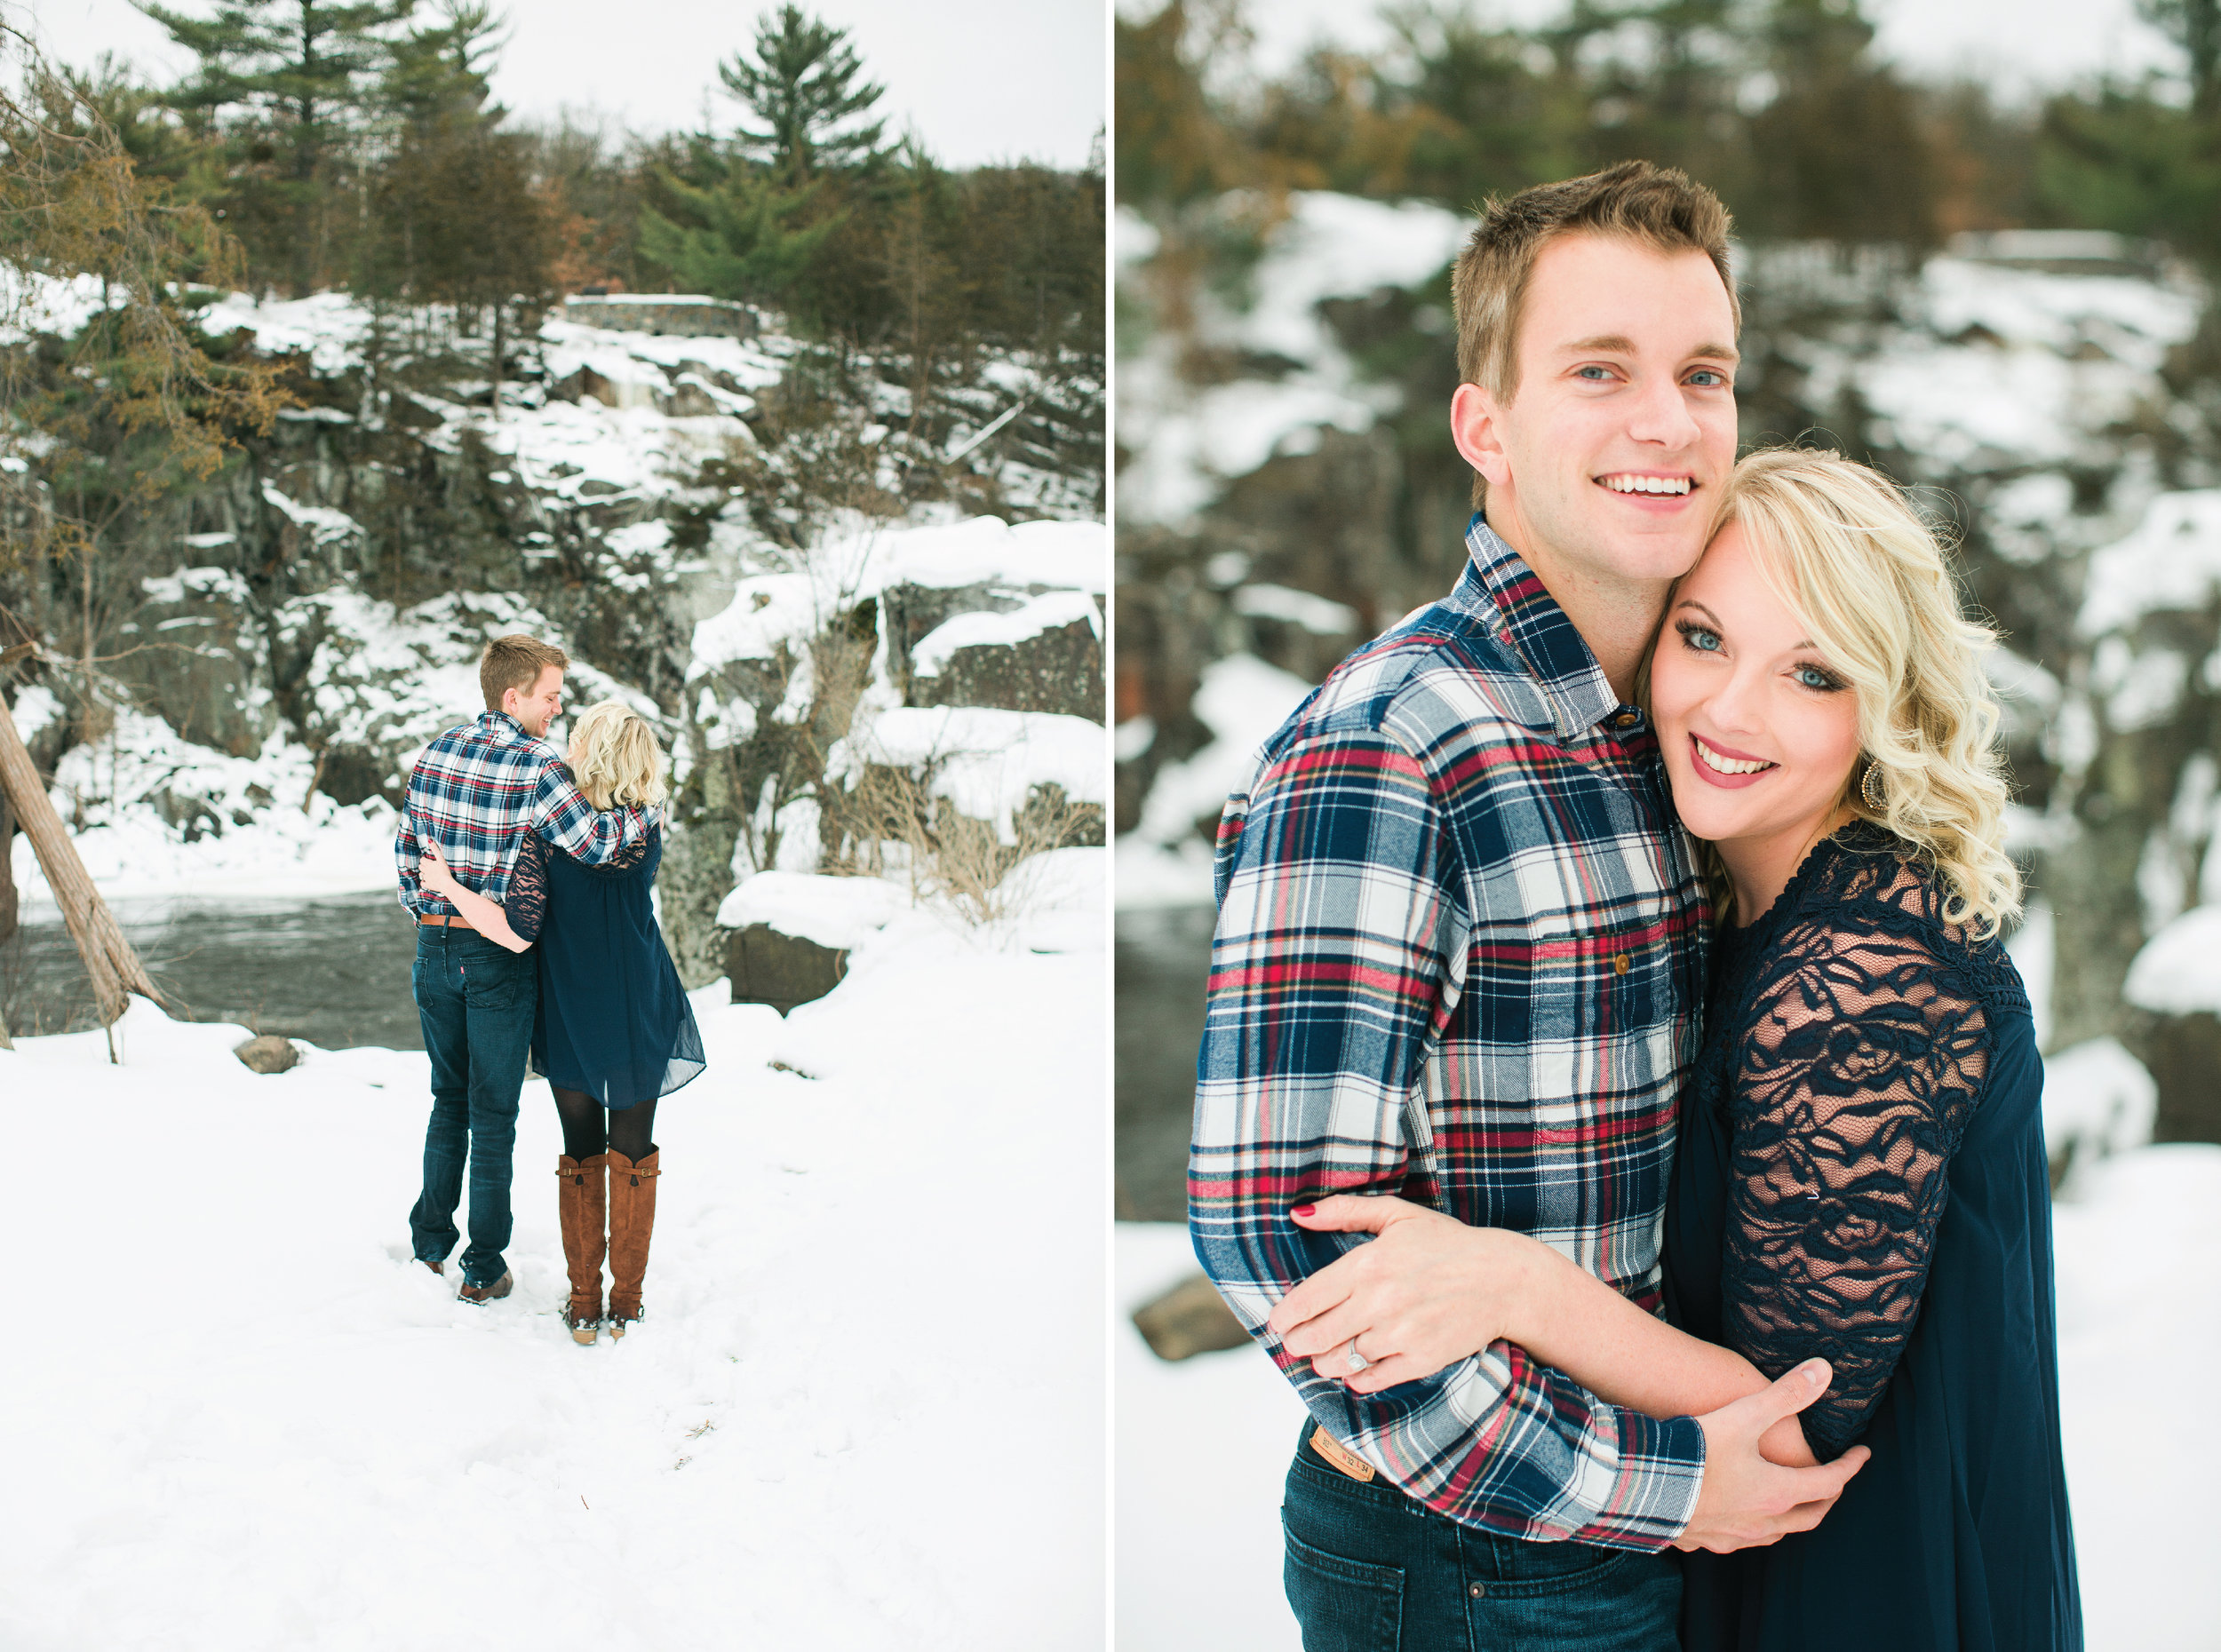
(333, 971)
(1162, 959)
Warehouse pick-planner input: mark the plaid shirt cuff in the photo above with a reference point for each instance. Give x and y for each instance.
(1661, 1471)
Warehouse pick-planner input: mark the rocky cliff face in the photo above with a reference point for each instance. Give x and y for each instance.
(323, 601)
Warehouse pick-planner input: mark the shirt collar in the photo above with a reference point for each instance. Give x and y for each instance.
(1503, 592)
(496, 724)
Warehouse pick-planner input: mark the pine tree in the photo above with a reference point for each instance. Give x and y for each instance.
(803, 87)
(753, 239)
(457, 217)
(2195, 26)
(300, 75)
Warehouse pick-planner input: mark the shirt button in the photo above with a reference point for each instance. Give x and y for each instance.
(1619, 963)
(1626, 719)
(1477, 1591)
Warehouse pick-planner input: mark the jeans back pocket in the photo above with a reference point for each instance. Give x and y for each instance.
(1343, 1605)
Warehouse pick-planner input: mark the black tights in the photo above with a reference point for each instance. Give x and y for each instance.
(588, 1127)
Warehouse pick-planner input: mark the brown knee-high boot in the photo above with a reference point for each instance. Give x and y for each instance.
(582, 1203)
(631, 1223)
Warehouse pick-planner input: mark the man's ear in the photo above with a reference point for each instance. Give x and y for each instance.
(1477, 425)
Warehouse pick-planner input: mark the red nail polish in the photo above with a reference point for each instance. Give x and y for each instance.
(1306, 1210)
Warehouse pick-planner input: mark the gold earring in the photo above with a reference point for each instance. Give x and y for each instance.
(1870, 789)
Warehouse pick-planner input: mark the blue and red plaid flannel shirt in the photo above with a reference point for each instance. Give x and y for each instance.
(1460, 959)
(477, 789)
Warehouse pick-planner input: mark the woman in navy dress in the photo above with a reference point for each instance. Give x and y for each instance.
(614, 1032)
(1860, 1174)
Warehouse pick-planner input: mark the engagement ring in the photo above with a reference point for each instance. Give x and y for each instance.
(1358, 1362)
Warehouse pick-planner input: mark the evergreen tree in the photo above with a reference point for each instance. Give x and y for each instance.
(2195, 26)
(458, 218)
(439, 70)
(753, 238)
(802, 88)
(300, 73)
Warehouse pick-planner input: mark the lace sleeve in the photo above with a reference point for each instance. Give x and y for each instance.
(1863, 1059)
(525, 905)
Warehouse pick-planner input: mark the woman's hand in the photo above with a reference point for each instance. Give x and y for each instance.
(1426, 1293)
(432, 869)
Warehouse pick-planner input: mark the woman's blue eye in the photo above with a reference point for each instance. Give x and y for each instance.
(1813, 677)
(1702, 639)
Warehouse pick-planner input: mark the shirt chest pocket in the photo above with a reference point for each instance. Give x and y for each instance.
(1632, 982)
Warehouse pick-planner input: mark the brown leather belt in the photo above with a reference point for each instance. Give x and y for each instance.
(446, 920)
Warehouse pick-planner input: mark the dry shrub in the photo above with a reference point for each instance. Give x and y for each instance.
(947, 855)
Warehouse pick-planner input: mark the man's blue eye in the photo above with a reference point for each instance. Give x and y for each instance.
(1596, 372)
(1707, 378)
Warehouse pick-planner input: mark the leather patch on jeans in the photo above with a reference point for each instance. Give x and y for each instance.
(1341, 1456)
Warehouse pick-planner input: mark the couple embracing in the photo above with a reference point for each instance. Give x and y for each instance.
(530, 882)
(1623, 931)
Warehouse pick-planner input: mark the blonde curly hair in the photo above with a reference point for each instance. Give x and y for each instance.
(616, 757)
(1842, 547)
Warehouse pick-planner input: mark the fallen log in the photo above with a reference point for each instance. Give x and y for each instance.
(109, 962)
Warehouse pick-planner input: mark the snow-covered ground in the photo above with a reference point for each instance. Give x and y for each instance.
(1203, 1445)
(865, 1410)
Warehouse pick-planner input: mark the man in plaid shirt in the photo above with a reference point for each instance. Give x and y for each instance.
(472, 795)
(1459, 960)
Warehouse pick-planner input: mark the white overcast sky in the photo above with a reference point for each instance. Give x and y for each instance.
(980, 80)
(2015, 43)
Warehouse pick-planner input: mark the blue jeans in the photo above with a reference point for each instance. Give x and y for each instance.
(1369, 1569)
(475, 1001)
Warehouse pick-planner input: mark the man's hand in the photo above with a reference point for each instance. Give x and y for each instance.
(1423, 1295)
(1746, 1500)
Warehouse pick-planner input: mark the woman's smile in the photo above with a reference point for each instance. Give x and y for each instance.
(1723, 766)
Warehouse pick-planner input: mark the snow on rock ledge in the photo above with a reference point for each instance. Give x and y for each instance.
(987, 762)
(2178, 972)
(838, 912)
(2097, 1100)
(2176, 978)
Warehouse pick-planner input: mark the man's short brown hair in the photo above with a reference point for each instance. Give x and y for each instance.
(515, 662)
(1635, 200)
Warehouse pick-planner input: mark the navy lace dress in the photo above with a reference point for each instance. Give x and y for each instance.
(1861, 1176)
(613, 1021)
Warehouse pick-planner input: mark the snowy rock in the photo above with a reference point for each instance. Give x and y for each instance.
(1188, 440)
(2178, 972)
(2170, 563)
(988, 764)
(835, 912)
(1043, 653)
(1242, 700)
(792, 932)
(2097, 1100)
(1189, 1319)
(766, 966)
(686, 315)
(269, 1053)
(376, 685)
(194, 657)
(2176, 978)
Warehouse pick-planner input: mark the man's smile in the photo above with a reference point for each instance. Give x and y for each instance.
(1670, 483)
